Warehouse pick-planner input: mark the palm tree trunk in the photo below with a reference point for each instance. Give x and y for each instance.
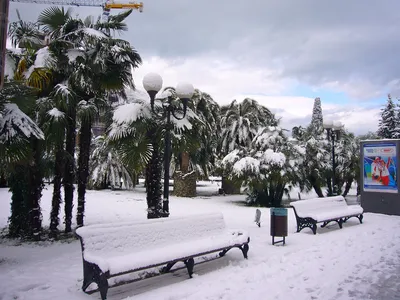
(85, 137)
(230, 187)
(3, 179)
(69, 171)
(329, 185)
(18, 180)
(347, 187)
(185, 183)
(185, 162)
(36, 187)
(56, 200)
(316, 186)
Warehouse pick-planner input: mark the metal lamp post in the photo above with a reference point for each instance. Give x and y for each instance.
(333, 132)
(152, 83)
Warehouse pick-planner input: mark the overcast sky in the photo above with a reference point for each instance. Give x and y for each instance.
(283, 53)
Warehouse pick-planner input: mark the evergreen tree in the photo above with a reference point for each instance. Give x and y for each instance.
(397, 129)
(388, 122)
(316, 125)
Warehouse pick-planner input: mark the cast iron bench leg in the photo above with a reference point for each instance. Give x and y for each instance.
(189, 265)
(245, 249)
(360, 217)
(314, 228)
(103, 286)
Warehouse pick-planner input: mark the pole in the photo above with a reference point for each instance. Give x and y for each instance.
(3, 32)
(333, 163)
(167, 154)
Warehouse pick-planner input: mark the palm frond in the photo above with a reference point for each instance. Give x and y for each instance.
(52, 20)
(15, 125)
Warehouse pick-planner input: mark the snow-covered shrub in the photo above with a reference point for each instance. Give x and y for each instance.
(269, 168)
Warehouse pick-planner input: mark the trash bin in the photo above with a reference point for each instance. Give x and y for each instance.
(279, 224)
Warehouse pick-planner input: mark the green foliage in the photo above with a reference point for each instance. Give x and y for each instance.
(270, 167)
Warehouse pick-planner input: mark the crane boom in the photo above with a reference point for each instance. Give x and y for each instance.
(99, 3)
(107, 5)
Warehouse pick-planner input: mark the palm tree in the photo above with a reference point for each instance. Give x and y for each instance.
(52, 111)
(84, 47)
(106, 165)
(112, 60)
(20, 148)
(39, 66)
(240, 123)
(137, 140)
(196, 152)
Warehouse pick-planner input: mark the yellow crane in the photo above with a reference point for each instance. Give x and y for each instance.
(106, 5)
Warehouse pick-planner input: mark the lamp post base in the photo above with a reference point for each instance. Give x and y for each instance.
(165, 208)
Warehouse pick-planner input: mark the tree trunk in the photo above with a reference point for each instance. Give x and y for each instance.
(185, 181)
(18, 181)
(316, 186)
(230, 187)
(3, 179)
(185, 162)
(56, 200)
(153, 179)
(85, 137)
(36, 187)
(69, 171)
(347, 187)
(329, 185)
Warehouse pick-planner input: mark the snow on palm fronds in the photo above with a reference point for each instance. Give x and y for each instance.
(10, 66)
(129, 116)
(55, 113)
(43, 59)
(241, 121)
(106, 167)
(271, 156)
(88, 109)
(245, 166)
(14, 124)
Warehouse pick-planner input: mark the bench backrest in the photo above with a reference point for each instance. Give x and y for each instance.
(148, 234)
(318, 204)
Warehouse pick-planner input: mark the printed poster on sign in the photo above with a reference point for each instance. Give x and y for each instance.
(380, 168)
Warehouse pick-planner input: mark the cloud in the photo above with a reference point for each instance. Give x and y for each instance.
(223, 79)
(348, 46)
(268, 48)
(224, 83)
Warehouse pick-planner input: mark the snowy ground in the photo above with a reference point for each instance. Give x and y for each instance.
(357, 262)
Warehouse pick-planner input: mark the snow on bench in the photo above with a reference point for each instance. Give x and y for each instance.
(114, 249)
(331, 209)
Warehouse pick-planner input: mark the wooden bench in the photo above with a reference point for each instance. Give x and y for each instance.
(324, 210)
(110, 250)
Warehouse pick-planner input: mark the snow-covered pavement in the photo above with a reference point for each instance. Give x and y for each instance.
(361, 261)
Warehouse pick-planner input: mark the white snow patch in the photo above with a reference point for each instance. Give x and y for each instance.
(131, 112)
(43, 57)
(55, 113)
(14, 122)
(73, 54)
(360, 261)
(246, 165)
(94, 32)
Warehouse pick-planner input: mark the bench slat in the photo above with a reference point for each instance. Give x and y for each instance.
(124, 238)
(137, 260)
